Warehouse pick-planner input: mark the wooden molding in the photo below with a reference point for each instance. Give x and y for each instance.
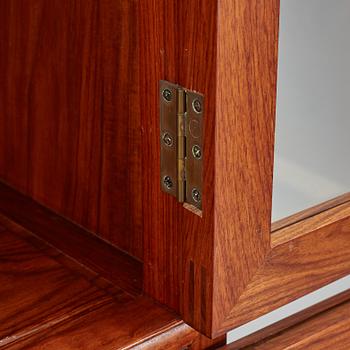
(328, 330)
(72, 240)
(286, 323)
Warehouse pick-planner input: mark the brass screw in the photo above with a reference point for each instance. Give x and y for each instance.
(167, 139)
(167, 95)
(197, 152)
(197, 106)
(196, 195)
(168, 183)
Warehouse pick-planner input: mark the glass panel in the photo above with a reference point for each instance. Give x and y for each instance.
(312, 146)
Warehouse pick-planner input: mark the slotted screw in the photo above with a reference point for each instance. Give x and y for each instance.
(196, 195)
(167, 139)
(168, 183)
(197, 152)
(197, 106)
(167, 95)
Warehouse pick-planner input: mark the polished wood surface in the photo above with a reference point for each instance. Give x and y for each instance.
(79, 126)
(70, 121)
(324, 218)
(245, 118)
(290, 321)
(295, 268)
(178, 260)
(108, 261)
(80, 117)
(48, 301)
(329, 330)
(201, 265)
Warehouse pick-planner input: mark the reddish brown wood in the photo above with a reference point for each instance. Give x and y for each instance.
(14, 96)
(246, 98)
(284, 324)
(70, 111)
(110, 262)
(90, 123)
(300, 228)
(136, 325)
(329, 330)
(80, 133)
(39, 286)
(182, 337)
(178, 244)
(293, 269)
(121, 60)
(48, 301)
(228, 51)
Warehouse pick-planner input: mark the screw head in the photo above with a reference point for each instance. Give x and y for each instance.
(196, 195)
(197, 106)
(167, 95)
(168, 182)
(197, 152)
(167, 139)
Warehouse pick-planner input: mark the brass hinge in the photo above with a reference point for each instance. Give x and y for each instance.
(181, 143)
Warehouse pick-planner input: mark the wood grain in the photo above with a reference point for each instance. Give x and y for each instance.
(108, 261)
(121, 59)
(245, 118)
(178, 244)
(329, 330)
(113, 326)
(288, 322)
(184, 338)
(136, 325)
(80, 134)
(49, 301)
(70, 111)
(324, 218)
(294, 269)
(226, 50)
(36, 288)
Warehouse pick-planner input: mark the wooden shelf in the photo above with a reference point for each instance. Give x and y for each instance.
(50, 301)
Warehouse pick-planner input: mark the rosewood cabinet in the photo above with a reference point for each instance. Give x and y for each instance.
(95, 254)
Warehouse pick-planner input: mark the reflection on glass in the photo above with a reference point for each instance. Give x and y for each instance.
(312, 149)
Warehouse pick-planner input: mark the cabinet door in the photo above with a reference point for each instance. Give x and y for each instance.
(229, 265)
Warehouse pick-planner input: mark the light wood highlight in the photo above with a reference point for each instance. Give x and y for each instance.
(303, 227)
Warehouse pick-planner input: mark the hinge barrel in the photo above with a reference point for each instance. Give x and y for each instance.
(181, 145)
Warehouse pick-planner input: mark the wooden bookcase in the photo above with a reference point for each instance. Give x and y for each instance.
(80, 158)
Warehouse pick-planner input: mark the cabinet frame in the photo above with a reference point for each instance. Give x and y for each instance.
(226, 268)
